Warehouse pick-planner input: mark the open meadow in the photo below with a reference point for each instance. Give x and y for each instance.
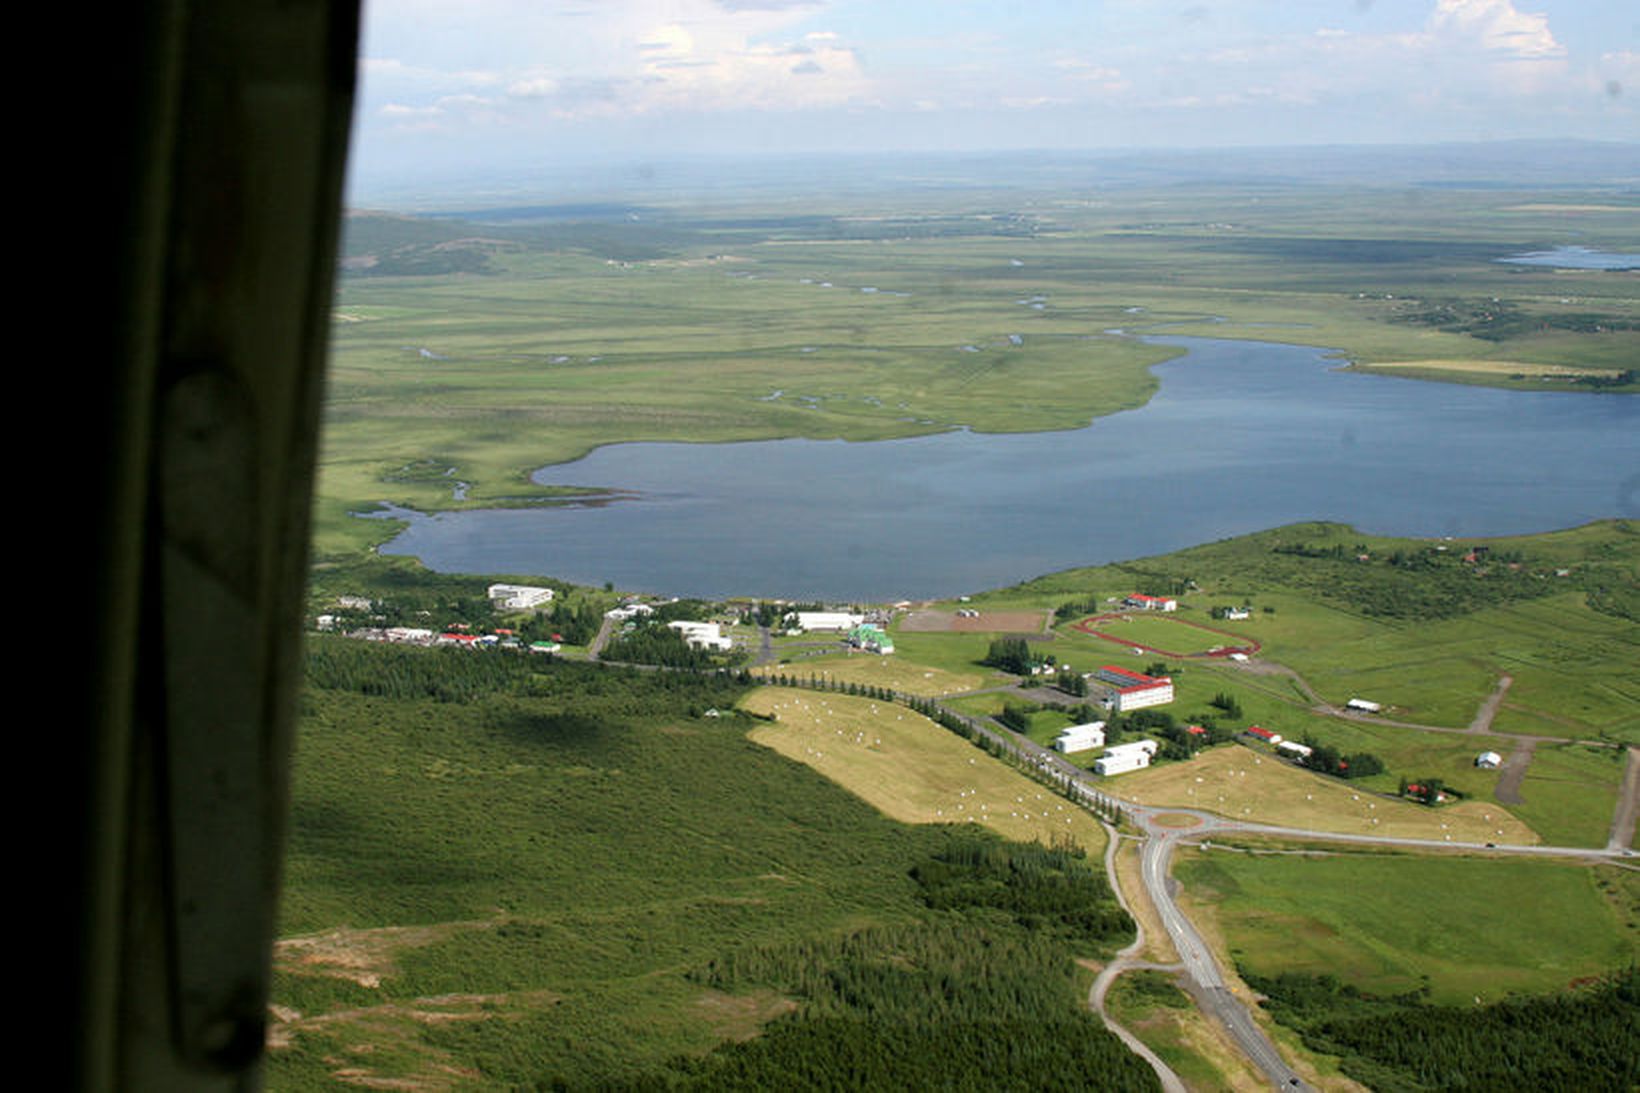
(1390, 923)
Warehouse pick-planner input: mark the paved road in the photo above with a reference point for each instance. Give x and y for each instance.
(1123, 962)
(1210, 988)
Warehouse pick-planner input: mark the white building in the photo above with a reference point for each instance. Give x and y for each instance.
(519, 597)
(1125, 757)
(1080, 737)
(1134, 690)
(827, 620)
(1237, 613)
(409, 635)
(1151, 603)
(1295, 749)
(702, 635)
(1363, 705)
(1489, 760)
(630, 611)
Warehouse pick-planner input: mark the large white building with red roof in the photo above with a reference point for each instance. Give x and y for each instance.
(1135, 690)
(1151, 603)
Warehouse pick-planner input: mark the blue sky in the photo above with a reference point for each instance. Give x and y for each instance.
(513, 82)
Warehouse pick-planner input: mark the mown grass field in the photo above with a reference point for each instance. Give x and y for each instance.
(1394, 923)
(1243, 784)
(894, 671)
(913, 770)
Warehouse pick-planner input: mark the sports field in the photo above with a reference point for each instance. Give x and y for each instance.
(1164, 636)
(911, 769)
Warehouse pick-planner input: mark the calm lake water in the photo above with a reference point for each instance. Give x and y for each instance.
(1575, 258)
(1241, 436)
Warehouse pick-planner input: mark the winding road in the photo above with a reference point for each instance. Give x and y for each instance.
(1162, 831)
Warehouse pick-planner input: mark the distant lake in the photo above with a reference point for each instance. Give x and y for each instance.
(1243, 435)
(1575, 258)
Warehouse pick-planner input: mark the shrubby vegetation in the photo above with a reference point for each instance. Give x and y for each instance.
(982, 997)
(1585, 1039)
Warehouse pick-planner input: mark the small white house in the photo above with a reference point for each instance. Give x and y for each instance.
(518, 597)
(1123, 758)
(1236, 614)
(1295, 749)
(1080, 737)
(1489, 760)
(1363, 705)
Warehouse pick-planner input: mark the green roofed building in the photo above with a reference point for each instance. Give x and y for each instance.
(873, 639)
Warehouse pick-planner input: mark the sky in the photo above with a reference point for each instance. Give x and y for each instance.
(446, 84)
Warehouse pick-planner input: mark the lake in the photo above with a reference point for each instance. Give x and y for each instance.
(1243, 435)
(1575, 258)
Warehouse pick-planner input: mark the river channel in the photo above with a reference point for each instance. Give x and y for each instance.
(1242, 435)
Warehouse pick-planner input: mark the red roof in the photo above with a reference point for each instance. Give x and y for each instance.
(1137, 677)
(1262, 734)
(1196, 730)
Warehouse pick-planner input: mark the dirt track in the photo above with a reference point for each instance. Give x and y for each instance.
(1514, 768)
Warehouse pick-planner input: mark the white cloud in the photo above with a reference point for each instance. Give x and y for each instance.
(1497, 27)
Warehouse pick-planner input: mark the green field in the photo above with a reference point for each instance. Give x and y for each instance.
(1394, 923)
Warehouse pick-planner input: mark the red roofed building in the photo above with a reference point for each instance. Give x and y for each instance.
(1263, 734)
(1151, 603)
(1134, 690)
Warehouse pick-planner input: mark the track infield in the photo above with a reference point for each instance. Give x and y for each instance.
(1118, 627)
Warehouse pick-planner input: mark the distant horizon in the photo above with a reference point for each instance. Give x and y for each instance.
(641, 177)
(508, 84)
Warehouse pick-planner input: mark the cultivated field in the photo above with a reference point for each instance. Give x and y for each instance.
(911, 769)
(1242, 784)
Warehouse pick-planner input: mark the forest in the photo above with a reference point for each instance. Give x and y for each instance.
(1587, 1039)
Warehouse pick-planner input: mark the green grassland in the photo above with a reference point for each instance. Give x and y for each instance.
(541, 344)
(1395, 923)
